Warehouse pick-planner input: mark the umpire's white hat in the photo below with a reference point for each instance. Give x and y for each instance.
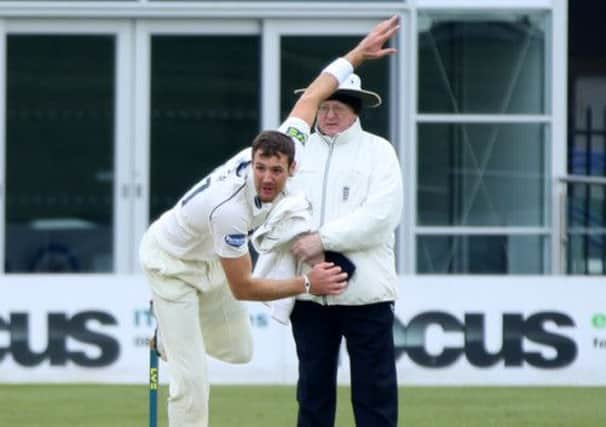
(352, 86)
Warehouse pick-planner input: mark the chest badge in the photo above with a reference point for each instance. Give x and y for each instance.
(345, 194)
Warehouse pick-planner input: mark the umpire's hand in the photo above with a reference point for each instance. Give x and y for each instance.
(308, 248)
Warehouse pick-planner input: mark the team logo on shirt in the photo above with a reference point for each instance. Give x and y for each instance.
(235, 240)
(297, 134)
(345, 194)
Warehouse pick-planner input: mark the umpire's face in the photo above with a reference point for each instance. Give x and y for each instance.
(271, 173)
(334, 117)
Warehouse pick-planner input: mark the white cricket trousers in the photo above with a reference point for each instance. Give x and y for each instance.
(197, 315)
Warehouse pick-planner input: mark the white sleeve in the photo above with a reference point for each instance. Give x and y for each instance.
(298, 130)
(230, 235)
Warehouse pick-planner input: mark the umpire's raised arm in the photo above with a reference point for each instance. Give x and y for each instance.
(369, 48)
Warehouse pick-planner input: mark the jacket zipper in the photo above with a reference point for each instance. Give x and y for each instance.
(331, 146)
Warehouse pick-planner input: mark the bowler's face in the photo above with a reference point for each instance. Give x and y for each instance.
(271, 173)
(334, 117)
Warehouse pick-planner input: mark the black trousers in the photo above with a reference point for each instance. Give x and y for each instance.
(368, 332)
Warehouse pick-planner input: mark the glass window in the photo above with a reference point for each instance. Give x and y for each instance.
(59, 153)
(204, 108)
(304, 56)
(481, 254)
(482, 63)
(482, 174)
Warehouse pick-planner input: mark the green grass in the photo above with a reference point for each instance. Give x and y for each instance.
(274, 406)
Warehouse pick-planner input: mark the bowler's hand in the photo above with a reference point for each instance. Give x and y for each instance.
(327, 279)
(308, 248)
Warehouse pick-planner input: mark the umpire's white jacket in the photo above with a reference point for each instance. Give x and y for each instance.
(354, 183)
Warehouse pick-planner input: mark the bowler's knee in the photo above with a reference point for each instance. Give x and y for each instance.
(239, 352)
(244, 355)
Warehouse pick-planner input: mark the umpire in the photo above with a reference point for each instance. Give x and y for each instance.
(353, 180)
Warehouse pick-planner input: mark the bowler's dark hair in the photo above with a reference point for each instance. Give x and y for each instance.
(271, 143)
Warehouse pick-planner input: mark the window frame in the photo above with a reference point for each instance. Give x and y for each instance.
(122, 248)
(554, 119)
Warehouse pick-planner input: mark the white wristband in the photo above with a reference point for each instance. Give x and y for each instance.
(340, 68)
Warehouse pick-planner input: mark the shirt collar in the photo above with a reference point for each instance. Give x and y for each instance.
(350, 134)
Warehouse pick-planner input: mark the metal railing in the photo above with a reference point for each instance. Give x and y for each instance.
(584, 226)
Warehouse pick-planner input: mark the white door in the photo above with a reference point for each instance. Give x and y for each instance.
(65, 149)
